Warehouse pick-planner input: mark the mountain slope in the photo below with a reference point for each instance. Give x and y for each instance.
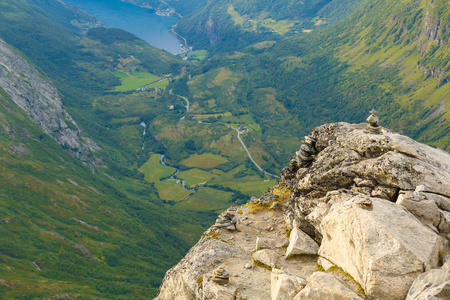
(221, 26)
(388, 56)
(65, 230)
(40, 100)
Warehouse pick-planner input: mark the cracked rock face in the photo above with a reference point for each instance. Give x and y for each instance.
(34, 93)
(376, 208)
(374, 202)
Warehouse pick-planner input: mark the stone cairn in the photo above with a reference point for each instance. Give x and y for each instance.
(220, 276)
(373, 120)
(227, 220)
(307, 150)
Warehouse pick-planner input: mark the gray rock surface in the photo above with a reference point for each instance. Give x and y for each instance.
(36, 95)
(300, 243)
(384, 248)
(426, 211)
(183, 280)
(284, 286)
(265, 243)
(325, 286)
(434, 284)
(377, 205)
(266, 257)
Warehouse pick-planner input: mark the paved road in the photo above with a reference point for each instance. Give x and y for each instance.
(184, 98)
(249, 155)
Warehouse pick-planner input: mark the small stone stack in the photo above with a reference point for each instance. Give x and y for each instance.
(227, 220)
(221, 276)
(373, 120)
(305, 155)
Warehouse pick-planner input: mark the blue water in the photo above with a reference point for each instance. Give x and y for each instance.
(142, 22)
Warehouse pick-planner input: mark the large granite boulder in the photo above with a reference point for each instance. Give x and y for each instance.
(384, 248)
(325, 286)
(284, 286)
(300, 243)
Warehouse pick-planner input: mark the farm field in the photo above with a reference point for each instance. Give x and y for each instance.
(167, 190)
(246, 183)
(203, 117)
(204, 161)
(153, 170)
(206, 199)
(121, 74)
(171, 190)
(160, 84)
(136, 80)
(195, 55)
(194, 177)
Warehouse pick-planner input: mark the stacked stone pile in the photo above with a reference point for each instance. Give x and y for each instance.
(227, 220)
(221, 275)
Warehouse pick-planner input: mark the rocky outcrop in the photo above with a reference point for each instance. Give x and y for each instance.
(35, 94)
(367, 218)
(434, 284)
(300, 243)
(384, 248)
(284, 286)
(325, 287)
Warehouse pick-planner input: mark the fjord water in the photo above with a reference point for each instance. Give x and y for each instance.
(142, 22)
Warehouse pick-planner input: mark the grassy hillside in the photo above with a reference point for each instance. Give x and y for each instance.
(63, 229)
(66, 230)
(223, 26)
(389, 56)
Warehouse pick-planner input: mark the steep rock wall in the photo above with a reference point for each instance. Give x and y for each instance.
(36, 95)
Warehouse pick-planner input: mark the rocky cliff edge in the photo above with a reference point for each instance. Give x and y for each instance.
(357, 214)
(36, 95)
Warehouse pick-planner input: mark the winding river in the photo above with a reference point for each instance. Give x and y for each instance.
(174, 175)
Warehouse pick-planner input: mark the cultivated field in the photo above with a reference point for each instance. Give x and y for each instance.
(204, 161)
(206, 199)
(136, 80)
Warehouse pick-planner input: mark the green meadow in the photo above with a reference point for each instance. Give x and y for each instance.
(204, 161)
(194, 177)
(195, 55)
(136, 80)
(206, 199)
(169, 190)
